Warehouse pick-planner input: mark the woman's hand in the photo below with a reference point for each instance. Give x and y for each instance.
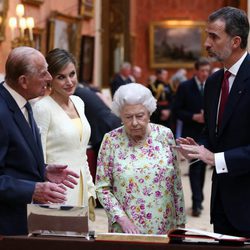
(127, 225)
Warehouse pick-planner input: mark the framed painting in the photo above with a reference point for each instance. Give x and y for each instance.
(87, 59)
(86, 8)
(176, 43)
(65, 33)
(33, 2)
(3, 16)
(38, 37)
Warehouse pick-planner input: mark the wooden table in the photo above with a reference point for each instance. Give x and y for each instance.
(61, 243)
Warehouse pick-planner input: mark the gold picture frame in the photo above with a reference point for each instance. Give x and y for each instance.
(176, 43)
(33, 2)
(65, 33)
(38, 38)
(87, 8)
(4, 4)
(87, 59)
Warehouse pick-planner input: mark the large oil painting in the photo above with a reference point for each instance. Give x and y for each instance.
(176, 43)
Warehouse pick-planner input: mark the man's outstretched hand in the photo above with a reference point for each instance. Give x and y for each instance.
(59, 174)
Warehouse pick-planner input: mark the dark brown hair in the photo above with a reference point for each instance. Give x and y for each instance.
(57, 59)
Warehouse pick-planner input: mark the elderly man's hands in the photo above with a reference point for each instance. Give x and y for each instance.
(127, 225)
(59, 174)
(47, 192)
(192, 150)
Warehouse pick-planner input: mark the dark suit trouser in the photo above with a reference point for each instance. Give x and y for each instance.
(197, 173)
(220, 221)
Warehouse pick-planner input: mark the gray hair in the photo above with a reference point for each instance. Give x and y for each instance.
(126, 65)
(133, 93)
(179, 76)
(20, 62)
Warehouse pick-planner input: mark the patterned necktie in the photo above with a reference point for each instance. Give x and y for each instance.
(224, 96)
(31, 120)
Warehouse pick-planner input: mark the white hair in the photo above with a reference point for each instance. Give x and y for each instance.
(133, 93)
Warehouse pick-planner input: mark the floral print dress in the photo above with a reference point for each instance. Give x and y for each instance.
(142, 182)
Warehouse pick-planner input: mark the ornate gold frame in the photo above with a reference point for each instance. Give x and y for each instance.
(86, 8)
(3, 15)
(38, 39)
(176, 43)
(65, 33)
(33, 2)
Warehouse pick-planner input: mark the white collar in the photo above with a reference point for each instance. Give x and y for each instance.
(20, 100)
(235, 68)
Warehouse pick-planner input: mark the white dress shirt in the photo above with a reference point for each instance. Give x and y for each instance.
(220, 163)
(20, 100)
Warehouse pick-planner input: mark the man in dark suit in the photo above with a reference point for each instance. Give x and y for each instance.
(99, 115)
(22, 168)
(101, 121)
(189, 108)
(228, 133)
(122, 78)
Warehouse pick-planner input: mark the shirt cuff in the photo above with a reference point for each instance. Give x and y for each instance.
(220, 163)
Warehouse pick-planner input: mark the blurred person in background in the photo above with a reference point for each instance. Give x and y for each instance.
(136, 74)
(122, 78)
(163, 93)
(175, 81)
(179, 76)
(101, 120)
(189, 108)
(99, 115)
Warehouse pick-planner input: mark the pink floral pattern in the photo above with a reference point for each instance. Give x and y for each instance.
(142, 182)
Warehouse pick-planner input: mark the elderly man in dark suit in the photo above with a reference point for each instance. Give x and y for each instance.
(227, 119)
(23, 176)
(101, 121)
(189, 109)
(99, 115)
(122, 78)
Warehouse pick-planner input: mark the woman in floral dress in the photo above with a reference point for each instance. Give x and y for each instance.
(138, 180)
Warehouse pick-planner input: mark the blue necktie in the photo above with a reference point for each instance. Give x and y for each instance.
(31, 120)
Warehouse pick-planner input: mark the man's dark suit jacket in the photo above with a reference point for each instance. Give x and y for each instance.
(99, 116)
(189, 101)
(233, 138)
(117, 82)
(21, 165)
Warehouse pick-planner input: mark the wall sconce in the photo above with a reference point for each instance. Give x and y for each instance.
(22, 24)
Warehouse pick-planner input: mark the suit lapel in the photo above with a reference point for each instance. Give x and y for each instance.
(196, 91)
(236, 92)
(24, 128)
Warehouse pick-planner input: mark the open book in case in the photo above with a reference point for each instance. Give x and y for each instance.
(178, 234)
(197, 235)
